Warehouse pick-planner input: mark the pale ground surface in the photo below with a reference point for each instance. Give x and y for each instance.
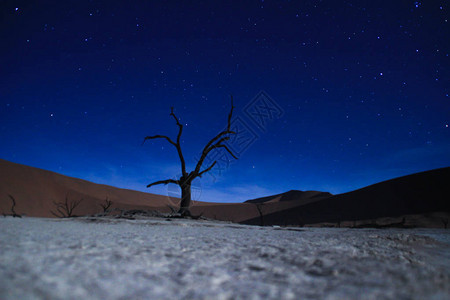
(184, 259)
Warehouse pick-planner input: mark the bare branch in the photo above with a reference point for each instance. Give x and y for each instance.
(106, 205)
(60, 210)
(219, 145)
(14, 203)
(216, 142)
(58, 216)
(228, 150)
(230, 114)
(178, 144)
(71, 205)
(159, 137)
(207, 169)
(163, 182)
(175, 117)
(65, 209)
(226, 138)
(13, 211)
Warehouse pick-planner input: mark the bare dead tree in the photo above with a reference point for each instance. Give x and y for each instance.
(106, 205)
(65, 209)
(445, 222)
(13, 211)
(261, 214)
(185, 181)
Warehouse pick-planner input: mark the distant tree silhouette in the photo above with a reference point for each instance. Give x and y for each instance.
(445, 222)
(185, 181)
(106, 205)
(259, 207)
(65, 209)
(13, 211)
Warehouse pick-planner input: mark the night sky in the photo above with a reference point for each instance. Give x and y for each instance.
(356, 92)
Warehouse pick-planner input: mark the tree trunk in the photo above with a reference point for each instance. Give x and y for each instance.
(185, 199)
(261, 215)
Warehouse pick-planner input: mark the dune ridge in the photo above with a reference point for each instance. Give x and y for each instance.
(420, 195)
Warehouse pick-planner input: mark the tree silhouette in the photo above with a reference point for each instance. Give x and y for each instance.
(13, 211)
(65, 209)
(185, 181)
(259, 207)
(445, 222)
(106, 205)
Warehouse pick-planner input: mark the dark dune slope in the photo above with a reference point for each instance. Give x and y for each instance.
(292, 195)
(413, 194)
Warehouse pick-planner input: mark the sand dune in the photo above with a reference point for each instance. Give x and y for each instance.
(292, 195)
(252, 209)
(421, 193)
(36, 190)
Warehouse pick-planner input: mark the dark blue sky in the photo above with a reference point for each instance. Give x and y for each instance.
(362, 89)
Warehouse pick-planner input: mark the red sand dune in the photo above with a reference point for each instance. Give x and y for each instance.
(36, 190)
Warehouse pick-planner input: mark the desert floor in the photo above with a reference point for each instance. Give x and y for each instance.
(184, 259)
